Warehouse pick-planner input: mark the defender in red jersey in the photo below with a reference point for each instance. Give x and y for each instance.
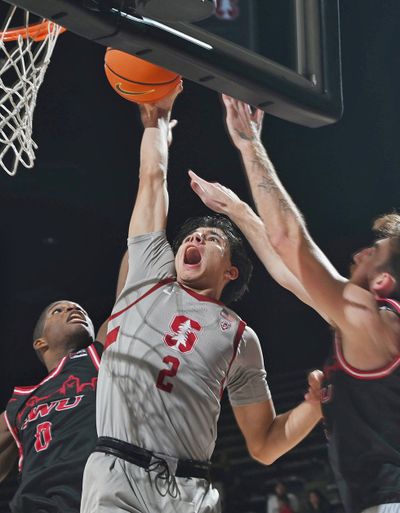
(361, 395)
(50, 427)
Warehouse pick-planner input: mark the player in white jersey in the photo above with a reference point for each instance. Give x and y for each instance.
(171, 349)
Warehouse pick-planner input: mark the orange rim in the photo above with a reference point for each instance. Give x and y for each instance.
(37, 32)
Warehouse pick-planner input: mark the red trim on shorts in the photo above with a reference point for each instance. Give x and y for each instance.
(17, 441)
(150, 291)
(238, 337)
(55, 372)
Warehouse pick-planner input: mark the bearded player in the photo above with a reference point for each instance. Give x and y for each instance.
(361, 392)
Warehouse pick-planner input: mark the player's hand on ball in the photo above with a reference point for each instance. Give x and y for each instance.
(214, 195)
(152, 113)
(168, 102)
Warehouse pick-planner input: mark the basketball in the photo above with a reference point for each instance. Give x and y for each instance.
(137, 80)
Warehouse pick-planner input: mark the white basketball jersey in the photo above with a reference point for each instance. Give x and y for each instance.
(170, 353)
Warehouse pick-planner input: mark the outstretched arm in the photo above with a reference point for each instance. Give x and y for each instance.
(151, 205)
(224, 201)
(368, 339)
(268, 436)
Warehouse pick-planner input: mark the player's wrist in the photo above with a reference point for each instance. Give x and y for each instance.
(237, 211)
(248, 148)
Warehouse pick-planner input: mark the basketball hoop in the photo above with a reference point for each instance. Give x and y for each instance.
(25, 56)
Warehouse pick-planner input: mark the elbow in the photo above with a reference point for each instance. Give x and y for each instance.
(262, 455)
(280, 242)
(286, 244)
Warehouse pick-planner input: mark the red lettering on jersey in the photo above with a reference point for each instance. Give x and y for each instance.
(43, 436)
(44, 409)
(184, 334)
(31, 402)
(64, 404)
(40, 411)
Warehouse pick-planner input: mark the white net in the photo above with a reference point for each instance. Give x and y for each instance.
(25, 54)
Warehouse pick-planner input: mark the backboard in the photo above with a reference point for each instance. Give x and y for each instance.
(307, 91)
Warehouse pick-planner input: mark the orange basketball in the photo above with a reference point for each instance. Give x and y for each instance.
(137, 80)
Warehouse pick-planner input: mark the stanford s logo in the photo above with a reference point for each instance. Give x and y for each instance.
(184, 334)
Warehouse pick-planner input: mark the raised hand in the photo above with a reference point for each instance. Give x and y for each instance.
(214, 195)
(152, 113)
(244, 124)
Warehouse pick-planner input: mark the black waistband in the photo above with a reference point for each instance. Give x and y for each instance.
(143, 457)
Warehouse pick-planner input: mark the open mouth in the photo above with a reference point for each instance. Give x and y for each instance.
(76, 318)
(192, 256)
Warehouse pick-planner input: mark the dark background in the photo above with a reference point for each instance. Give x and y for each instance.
(64, 223)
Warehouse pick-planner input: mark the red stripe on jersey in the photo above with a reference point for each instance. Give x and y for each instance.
(238, 337)
(111, 337)
(150, 291)
(94, 356)
(29, 390)
(16, 440)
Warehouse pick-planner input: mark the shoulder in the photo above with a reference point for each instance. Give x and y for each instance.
(249, 336)
(148, 239)
(249, 349)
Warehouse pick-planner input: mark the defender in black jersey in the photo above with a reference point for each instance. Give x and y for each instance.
(52, 424)
(361, 399)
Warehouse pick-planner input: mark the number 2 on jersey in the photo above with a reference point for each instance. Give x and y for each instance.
(173, 364)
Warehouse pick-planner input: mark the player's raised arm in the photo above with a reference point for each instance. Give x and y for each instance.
(224, 201)
(151, 205)
(8, 449)
(349, 305)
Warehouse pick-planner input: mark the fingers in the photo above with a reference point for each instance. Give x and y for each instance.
(168, 102)
(195, 177)
(197, 188)
(315, 378)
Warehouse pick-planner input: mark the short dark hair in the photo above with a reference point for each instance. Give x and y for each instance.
(388, 226)
(235, 289)
(39, 326)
